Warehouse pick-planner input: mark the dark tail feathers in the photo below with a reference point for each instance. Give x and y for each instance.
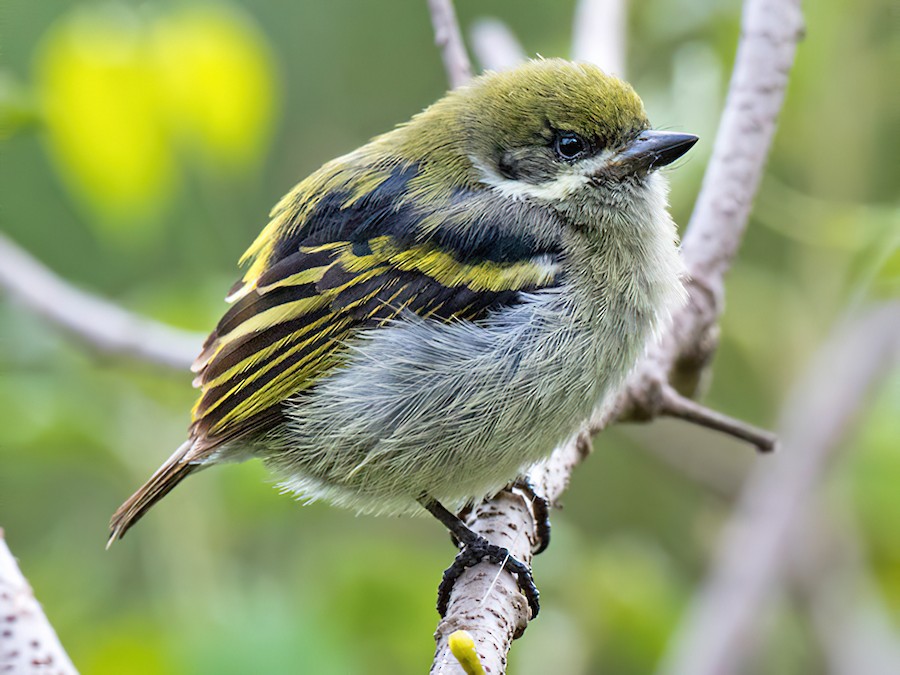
(170, 474)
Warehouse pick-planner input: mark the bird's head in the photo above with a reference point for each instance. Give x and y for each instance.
(550, 131)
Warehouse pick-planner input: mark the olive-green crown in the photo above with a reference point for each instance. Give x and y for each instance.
(523, 106)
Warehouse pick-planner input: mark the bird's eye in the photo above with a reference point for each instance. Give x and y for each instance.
(570, 146)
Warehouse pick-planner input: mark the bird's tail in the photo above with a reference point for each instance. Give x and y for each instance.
(170, 474)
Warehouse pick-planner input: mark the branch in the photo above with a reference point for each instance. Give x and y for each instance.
(495, 46)
(101, 324)
(770, 32)
(599, 34)
(28, 643)
(484, 601)
(714, 636)
(676, 405)
(449, 40)
(769, 36)
(771, 29)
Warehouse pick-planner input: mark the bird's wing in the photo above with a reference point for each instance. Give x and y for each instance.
(354, 262)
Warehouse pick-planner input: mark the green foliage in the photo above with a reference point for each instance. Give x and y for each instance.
(17, 111)
(140, 157)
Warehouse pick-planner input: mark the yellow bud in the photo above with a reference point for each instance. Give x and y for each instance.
(462, 646)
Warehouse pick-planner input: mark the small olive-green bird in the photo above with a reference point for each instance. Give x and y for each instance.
(425, 318)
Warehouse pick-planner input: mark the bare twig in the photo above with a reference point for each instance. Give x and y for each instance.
(770, 31)
(495, 46)
(714, 638)
(101, 324)
(28, 643)
(599, 34)
(449, 40)
(676, 405)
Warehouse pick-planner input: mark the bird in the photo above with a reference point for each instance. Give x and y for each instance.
(425, 318)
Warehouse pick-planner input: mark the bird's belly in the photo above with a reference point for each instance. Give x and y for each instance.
(452, 411)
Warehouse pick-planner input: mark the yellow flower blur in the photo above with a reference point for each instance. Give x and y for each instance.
(216, 82)
(125, 95)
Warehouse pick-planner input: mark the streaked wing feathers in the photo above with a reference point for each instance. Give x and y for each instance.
(312, 294)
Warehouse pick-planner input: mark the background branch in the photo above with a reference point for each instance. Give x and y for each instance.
(715, 636)
(98, 323)
(599, 34)
(448, 38)
(852, 625)
(495, 46)
(28, 643)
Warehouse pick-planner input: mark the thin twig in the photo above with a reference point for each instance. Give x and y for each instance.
(448, 38)
(676, 405)
(28, 643)
(495, 45)
(715, 637)
(599, 34)
(101, 324)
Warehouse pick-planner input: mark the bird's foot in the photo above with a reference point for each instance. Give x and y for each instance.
(540, 507)
(478, 550)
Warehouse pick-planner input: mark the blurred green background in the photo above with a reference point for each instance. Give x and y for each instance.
(141, 147)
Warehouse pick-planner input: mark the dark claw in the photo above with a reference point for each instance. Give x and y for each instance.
(481, 549)
(541, 508)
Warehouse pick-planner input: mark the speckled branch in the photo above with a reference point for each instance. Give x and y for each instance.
(771, 30)
(485, 601)
(28, 643)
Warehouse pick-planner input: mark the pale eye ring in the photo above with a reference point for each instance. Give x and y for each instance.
(569, 146)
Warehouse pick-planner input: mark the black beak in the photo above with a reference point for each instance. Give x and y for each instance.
(651, 150)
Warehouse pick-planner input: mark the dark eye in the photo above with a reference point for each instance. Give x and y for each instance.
(569, 146)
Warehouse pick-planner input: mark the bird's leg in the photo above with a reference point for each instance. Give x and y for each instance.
(463, 515)
(475, 549)
(540, 508)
